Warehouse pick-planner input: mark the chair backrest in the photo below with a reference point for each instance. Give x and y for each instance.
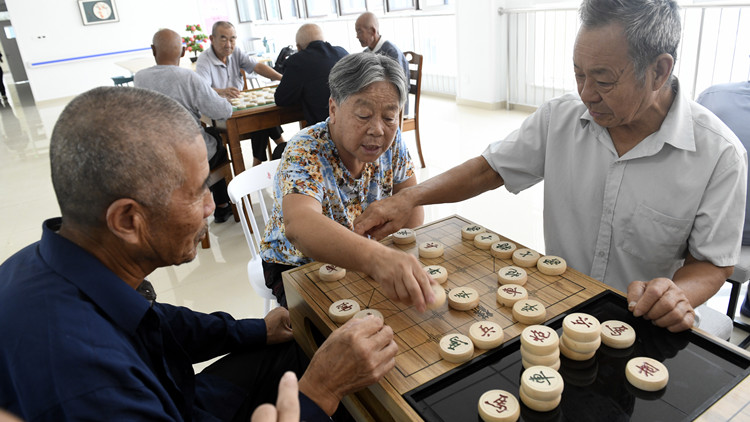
(244, 79)
(240, 189)
(122, 80)
(415, 78)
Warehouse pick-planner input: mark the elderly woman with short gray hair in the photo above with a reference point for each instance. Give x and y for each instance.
(331, 171)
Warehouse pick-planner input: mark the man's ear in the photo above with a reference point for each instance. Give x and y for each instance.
(153, 50)
(126, 219)
(662, 68)
(183, 52)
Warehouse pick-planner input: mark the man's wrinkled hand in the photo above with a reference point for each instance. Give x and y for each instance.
(663, 302)
(278, 326)
(354, 356)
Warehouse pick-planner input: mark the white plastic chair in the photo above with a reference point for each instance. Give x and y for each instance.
(240, 189)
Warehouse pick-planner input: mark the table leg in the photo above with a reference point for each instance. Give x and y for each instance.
(235, 149)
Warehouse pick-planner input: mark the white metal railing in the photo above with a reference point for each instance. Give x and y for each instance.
(715, 48)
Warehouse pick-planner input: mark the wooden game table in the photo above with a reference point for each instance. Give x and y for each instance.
(417, 335)
(252, 119)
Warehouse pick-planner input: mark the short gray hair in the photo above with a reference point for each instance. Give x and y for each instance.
(652, 27)
(218, 24)
(355, 72)
(117, 142)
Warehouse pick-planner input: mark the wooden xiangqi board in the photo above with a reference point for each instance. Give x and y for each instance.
(417, 335)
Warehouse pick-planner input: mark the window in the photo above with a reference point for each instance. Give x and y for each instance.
(351, 7)
(288, 9)
(396, 5)
(434, 4)
(319, 8)
(250, 10)
(270, 10)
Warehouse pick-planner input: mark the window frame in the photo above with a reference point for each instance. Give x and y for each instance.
(389, 9)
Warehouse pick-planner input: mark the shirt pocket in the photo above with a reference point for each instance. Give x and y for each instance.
(656, 237)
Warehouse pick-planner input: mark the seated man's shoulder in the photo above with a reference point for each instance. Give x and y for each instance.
(569, 102)
(341, 51)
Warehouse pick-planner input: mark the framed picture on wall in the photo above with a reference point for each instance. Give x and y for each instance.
(98, 11)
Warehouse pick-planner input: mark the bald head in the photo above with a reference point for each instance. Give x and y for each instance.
(308, 33)
(368, 20)
(167, 47)
(367, 30)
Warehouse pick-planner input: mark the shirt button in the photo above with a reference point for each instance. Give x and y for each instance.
(601, 254)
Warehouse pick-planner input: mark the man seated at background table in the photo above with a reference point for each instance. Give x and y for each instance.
(731, 103)
(367, 28)
(644, 189)
(193, 93)
(83, 337)
(306, 74)
(331, 171)
(221, 67)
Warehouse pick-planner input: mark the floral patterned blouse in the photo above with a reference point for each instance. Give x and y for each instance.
(311, 166)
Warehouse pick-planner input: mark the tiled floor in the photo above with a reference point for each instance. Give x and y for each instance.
(217, 278)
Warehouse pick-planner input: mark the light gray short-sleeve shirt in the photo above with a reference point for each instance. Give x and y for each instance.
(635, 217)
(220, 75)
(192, 92)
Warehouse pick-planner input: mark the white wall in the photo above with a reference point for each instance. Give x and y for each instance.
(58, 33)
(481, 56)
(49, 30)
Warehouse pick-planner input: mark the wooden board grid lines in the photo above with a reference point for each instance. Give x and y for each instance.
(418, 335)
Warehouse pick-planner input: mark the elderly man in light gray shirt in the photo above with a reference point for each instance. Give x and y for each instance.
(221, 66)
(644, 189)
(193, 93)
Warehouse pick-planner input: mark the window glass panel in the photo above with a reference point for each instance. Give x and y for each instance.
(351, 7)
(272, 9)
(317, 8)
(289, 9)
(427, 4)
(394, 5)
(250, 10)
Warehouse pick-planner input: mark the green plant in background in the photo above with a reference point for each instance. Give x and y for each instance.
(194, 41)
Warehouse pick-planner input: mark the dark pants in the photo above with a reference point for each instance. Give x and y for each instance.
(272, 275)
(2, 84)
(218, 189)
(258, 372)
(259, 140)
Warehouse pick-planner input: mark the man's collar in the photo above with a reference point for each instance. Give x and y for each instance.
(379, 45)
(109, 292)
(214, 58)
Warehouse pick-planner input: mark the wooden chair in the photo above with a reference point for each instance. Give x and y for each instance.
(253, 81)
(415, 88)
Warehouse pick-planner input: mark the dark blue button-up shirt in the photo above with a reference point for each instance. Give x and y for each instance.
(78, 343)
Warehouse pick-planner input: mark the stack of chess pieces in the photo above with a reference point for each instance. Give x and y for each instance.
(253, 98)
(541, 384)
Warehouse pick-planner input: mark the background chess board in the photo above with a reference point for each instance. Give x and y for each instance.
(418, 335)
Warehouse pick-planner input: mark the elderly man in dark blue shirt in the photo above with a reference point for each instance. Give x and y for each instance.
(306, 74)
(83, 337)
